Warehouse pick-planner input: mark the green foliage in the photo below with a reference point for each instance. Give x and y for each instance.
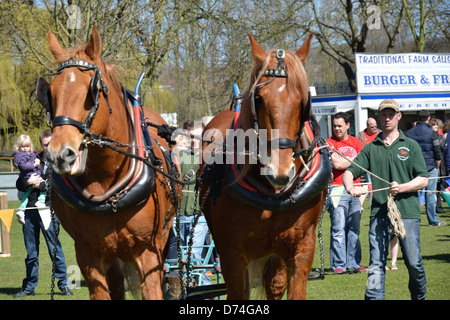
(19, 112)
(158, 99)
(12, 100)
(435, 254)
(193, 51)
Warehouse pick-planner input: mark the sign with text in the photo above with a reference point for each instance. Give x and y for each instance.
(403, 72)
(324, 110)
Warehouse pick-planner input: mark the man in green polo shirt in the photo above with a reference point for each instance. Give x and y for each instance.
(398, 159)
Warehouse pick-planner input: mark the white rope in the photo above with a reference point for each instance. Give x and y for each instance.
(396, 223)
(395, 218)
(32, 208)
(363, 192)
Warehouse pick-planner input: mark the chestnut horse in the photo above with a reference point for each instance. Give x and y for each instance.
(263, 215)
(117, 210)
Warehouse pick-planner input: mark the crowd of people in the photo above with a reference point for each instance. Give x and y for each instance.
(415, 163)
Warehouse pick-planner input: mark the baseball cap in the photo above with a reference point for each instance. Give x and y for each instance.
(389, 103)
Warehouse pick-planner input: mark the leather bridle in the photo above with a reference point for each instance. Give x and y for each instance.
(97, 85)
(281, 72)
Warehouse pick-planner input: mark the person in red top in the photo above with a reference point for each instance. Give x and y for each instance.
(367, 136)
(370, 133)
(345, 247)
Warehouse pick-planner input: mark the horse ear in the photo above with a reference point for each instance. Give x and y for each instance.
(54, 46)
(94, 46)
(259, 54)
(303, 52)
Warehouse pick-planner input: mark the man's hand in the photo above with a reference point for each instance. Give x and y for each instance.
(395, 188)
(357, 192)
(34, 181)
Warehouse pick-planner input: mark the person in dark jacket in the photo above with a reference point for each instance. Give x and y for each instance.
(429, 143)
(33, 227)
(446, 154)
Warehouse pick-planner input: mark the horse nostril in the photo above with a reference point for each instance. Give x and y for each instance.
(66, 158)
(68, 154)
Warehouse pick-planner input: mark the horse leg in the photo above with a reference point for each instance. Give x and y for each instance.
(150, 267)
(299, 267)
(275, 278)
(235, 275)
(115, 280)
(94, 273)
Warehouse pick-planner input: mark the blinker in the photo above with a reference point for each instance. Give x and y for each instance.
(41, 92)
(43, 96)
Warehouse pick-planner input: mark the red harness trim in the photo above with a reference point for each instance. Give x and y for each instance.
(67, 182)
(234, 171)
(316, 163)
(241, 182)
(140, 144)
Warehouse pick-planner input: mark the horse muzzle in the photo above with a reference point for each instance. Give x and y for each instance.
(277, 179)
(68, 160)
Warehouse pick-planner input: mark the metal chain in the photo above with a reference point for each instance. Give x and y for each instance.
(322, 256)
(186, 267)
(48, 196)
(180, 255)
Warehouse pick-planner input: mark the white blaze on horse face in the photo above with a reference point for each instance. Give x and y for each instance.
(281, 88)
(72, 77)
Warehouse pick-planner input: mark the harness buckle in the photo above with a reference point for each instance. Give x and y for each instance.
(281, 54)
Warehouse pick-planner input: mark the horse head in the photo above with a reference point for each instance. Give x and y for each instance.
(278, 101)
(77, 102)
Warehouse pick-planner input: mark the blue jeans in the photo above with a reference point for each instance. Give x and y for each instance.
(430, 198)
(31, 234)
(345, 247)
(200, 231)
(379, 238)
(198, 240)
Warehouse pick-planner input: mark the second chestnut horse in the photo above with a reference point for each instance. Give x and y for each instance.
(263, 214)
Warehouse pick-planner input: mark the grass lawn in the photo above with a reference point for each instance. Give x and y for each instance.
(435, 243)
